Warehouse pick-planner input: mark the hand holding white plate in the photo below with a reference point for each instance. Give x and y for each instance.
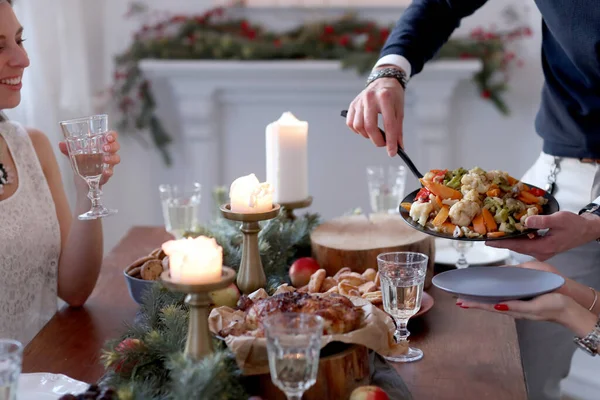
(43, 386)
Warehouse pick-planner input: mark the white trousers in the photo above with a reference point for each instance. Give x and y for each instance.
(547, 348)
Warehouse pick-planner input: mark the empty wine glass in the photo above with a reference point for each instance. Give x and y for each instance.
(293, 346)
(386, 188)
(11, 355)
(402, 277)
(85, 139)
(462, 247)
(180, 205)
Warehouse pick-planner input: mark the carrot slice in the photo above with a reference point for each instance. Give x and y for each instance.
(441, 217)
(489, 221)
(448, 228)
(495, 234)
(406, 206)
(512, 181)
(519, 215)
(528, 198)
(442, 191)
(439, 202)
(494, 192)
(479, 225)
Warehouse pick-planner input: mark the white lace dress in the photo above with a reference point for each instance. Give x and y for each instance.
(29, 244)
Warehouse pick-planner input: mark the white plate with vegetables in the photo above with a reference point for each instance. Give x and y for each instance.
(474, 205)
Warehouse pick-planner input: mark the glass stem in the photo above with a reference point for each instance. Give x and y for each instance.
(294, 396)
(402, 333)
(95, 193)
(462, 261)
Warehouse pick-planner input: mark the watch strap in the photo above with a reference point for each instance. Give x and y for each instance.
(591, 342)
(591, 208)
(396, 73)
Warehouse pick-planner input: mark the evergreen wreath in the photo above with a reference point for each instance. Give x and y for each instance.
(217, 35)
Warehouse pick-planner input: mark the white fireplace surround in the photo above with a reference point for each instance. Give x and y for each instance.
(192, 97)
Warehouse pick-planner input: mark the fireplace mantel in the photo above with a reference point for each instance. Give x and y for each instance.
(193, 92)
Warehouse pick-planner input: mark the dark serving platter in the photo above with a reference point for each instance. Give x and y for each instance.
(550, 208)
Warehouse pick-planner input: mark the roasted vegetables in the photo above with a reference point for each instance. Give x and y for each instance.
(474, 203)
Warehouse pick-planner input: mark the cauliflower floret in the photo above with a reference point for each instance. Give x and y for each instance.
(491, 175)
(514, 205)
(530, 211)
(449, 202)
(463, 212)
(472, 195)
(420, 212)
(474, 181)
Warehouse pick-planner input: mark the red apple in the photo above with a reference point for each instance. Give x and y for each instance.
(369, 393)
(301, 270)
(226, 297)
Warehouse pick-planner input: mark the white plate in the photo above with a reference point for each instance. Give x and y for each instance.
(479, 254)
(43, 386)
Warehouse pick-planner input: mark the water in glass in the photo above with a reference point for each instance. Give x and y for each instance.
(180, 206)
(293, 346)
(386, 188)
(402, 298)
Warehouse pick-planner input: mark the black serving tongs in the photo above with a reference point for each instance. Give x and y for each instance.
(401, 153)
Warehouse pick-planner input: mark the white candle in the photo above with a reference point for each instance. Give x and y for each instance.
(287, 158)
(198, 260)
(248, 195)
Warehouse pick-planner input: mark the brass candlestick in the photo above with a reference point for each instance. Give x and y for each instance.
(251, 275)
(290, 207)
(199, 339)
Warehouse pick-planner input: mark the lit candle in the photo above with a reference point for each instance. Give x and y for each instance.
(198, 260)
(248, 195)
(287, 158)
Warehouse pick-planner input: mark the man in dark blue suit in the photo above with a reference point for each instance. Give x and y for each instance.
(568, 122)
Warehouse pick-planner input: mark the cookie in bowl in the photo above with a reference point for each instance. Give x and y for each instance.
(144, 272)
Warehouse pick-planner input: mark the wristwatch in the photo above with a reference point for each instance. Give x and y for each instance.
(388, 73)
(591, 208)
(591, 342)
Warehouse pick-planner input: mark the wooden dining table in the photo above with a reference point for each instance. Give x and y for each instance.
(468, 354)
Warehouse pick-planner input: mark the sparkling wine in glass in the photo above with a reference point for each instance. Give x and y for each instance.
(293, 346)
(85, 139)
(11, 355)
(386, 188)
(180, 205)
(402, 277)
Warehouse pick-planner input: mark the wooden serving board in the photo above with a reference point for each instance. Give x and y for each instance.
(339, 374)
(355, 241)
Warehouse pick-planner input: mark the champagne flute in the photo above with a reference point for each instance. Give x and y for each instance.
(11, 355)
(180, 206)
(462, 247)
(85, 139)
(293, 346)
(402, 277)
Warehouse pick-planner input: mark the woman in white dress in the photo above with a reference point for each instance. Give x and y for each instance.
(45, 252)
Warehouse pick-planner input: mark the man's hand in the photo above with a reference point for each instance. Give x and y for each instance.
(384, 96)
(567, 231)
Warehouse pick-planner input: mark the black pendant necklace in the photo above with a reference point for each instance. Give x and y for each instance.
(6, 176)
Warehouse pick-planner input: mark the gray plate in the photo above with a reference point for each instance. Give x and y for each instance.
(497, 284)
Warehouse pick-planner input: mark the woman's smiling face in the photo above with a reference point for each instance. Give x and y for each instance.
(13, 57)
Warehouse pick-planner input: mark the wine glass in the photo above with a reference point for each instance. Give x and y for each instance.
(293, 346)
(180, 205)
(386, 188)
(462, 247)
(11, 355)
(402, 277)
(85, 139)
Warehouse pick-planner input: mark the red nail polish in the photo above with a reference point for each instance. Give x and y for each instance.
(501, 307)
(461, 306)
(458, 303)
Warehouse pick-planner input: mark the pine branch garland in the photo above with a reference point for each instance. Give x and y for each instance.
(216, 35)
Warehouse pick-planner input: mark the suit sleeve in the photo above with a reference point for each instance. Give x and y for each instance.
(424, 27)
